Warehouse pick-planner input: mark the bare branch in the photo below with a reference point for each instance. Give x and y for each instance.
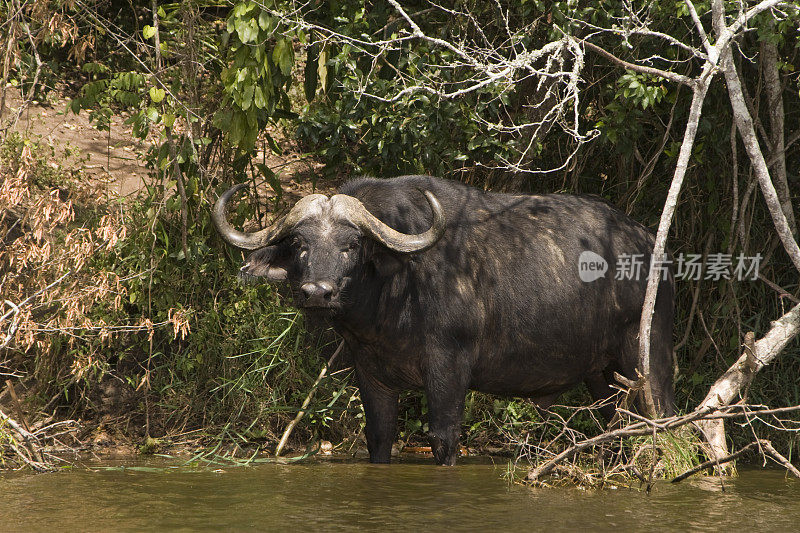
(731, 384)
(744, 123)
(699, 27)
(301, 413)
(698, 96)
(712, 463)
(672, 76)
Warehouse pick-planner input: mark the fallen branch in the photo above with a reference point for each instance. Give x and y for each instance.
(632, 430)
(27, 447)
(287, 433)
(729, 386)
(781, 459)
(713, 463)
(651, 427)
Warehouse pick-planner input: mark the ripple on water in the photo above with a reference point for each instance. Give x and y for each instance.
(411, 495)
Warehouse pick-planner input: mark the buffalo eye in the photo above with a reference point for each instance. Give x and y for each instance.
(352, 246)
(299, 245)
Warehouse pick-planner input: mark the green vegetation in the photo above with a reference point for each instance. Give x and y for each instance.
(152, 299)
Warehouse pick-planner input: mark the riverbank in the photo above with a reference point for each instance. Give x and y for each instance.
(115, 367)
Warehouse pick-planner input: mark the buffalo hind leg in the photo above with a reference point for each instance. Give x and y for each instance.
(380, 408)
(602, 392)
(446, 390)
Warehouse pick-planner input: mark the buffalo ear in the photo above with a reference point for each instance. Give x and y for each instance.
(386, 263)
(270, 262)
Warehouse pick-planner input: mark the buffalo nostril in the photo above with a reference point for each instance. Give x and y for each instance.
(322, 290)
(309, 289)
(325, 289)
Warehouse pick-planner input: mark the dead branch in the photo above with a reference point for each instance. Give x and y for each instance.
(632, 430)
(744, 123)
(782, 293)
(15, 309)
(645, 427)
(35, 82)
(554, 68)
(712, 463)
(720, 53)
(775, 110)
(27, 446)
(300, 414)
(11, 39)
(672, 76)
(768, 448)
(730, 385)
(699, 91)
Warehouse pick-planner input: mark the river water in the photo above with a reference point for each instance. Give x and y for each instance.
(411, 495)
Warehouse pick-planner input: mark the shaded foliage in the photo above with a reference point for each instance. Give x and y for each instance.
(230, 69)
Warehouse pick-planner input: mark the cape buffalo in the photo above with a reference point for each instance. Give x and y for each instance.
(439, 286)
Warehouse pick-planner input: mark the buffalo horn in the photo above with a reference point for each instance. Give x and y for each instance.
(389, 237)
(266, 236)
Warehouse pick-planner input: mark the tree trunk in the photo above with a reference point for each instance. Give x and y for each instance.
(772, 86)
(744, 122)
(730, 386)
(645, 324)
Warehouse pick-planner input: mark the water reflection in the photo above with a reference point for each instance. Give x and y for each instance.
(331, 496)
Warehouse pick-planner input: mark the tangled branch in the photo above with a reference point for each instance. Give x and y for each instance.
(546, 79)
(645, 427)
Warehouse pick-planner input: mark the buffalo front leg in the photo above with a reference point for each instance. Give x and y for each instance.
(446, 391)
(380, 409)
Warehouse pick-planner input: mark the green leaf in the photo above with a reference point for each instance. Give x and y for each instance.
(272, 179)
(282, 55)
(258, 98)
(310, 74)
(238, 127)
(148, 32)
(152, 114)
(264, 20)
(247, 97)
(156, 94)
(273, 145)
(247, 30)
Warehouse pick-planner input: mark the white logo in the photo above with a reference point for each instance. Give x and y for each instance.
(591, 266)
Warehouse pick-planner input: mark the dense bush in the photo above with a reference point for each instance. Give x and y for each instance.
(203, 83)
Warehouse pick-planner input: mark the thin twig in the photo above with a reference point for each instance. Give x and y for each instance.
(771, 451)
(647, 427)
(288, 432)
(28, 99)
(712, 463)
(672, 76)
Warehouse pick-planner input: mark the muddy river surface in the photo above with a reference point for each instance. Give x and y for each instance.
(412, 495)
